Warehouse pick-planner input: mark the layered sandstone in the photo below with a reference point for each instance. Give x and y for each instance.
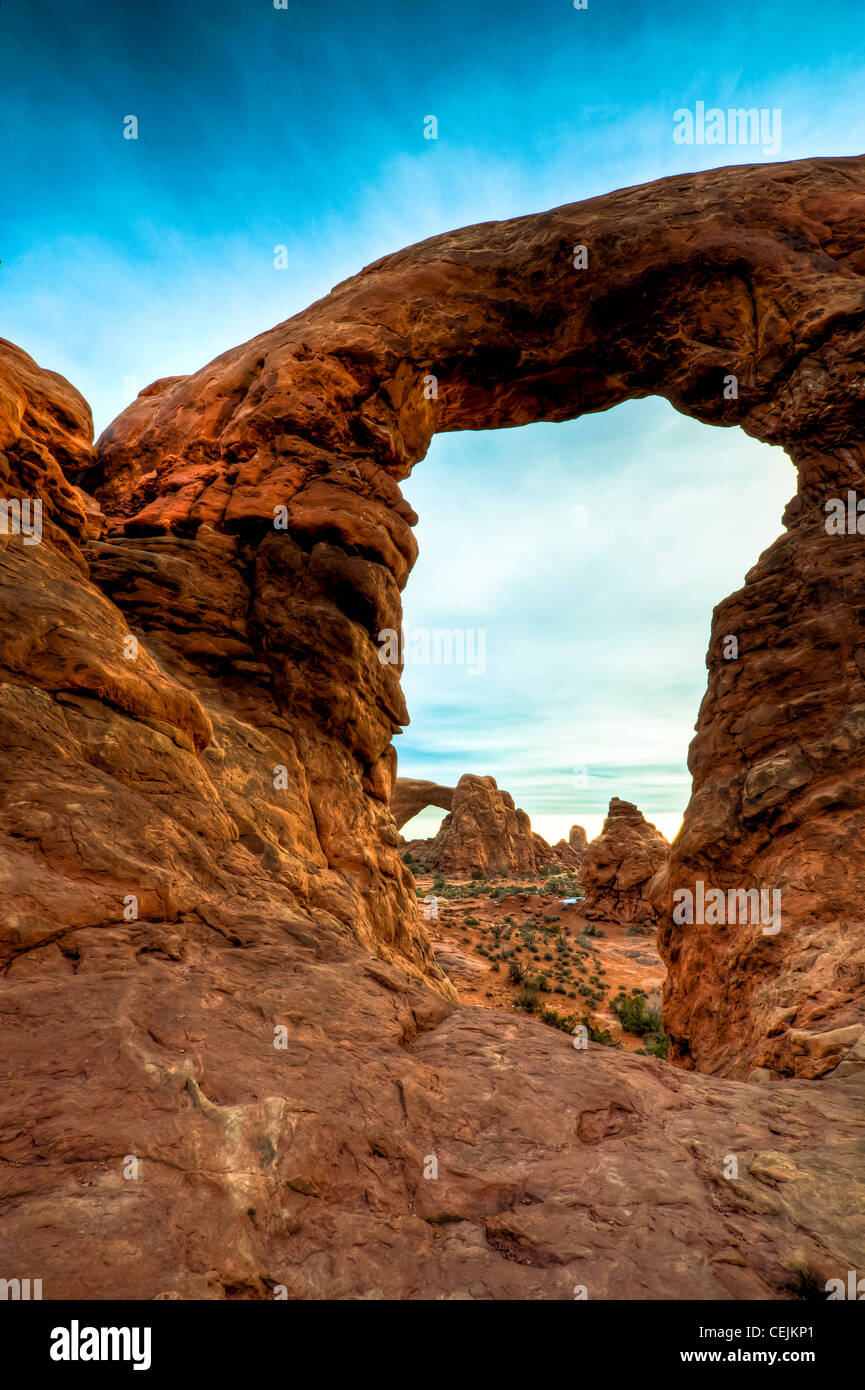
(212, 958)
(622, 870)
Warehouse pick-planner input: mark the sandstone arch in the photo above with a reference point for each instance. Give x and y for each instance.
(411, 795)
(755, 272)
(235, 781)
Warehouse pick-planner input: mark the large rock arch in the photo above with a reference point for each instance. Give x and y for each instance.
(751, 272)
(411, 795)
(211, 958)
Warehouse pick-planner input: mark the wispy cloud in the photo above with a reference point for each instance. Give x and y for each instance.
(596, 633)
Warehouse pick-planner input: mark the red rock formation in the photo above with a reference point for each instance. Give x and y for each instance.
(623, 868)
(484, 831)
(487, 833)
(569, 853)
(756, 274)
(231, 781)
(411, 795)
(186, 791)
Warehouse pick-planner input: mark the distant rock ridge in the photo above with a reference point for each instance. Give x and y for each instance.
(484, 831)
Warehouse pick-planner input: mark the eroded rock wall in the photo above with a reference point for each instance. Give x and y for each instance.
(158, 768)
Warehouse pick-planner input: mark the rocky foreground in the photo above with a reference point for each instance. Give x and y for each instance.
(231, 1061)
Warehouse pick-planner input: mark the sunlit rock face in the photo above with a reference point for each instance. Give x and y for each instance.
(213, 955)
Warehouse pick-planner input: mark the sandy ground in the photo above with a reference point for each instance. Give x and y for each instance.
(469, 931)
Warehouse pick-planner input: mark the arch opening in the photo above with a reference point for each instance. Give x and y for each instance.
(587, 558)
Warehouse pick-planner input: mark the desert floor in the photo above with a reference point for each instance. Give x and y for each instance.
(481, 926)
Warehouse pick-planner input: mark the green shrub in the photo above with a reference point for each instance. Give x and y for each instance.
(565, 885)
(657, 1047)
(527, 998)
(564, 1021)
(596, 1033)
(634, 1016)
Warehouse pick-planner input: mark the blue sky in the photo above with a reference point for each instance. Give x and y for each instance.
(124, 260)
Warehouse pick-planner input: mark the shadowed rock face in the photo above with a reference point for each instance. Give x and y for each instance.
(200, 864)
(623, 869)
